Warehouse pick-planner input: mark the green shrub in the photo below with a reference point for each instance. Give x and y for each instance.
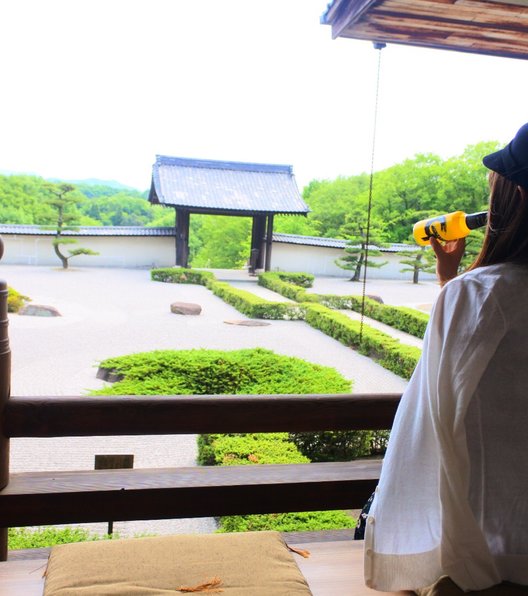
(180, 275)
(252, 371)
(334, 445)
(304, 280)
(208, 372)
(15, 300)
(254, 306)
(304, 521)
(291, 285)
(405, 319)
(21, 538)
(390, 353)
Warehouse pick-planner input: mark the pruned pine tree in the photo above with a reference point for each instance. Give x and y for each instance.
(355, 231)
(419, 260)
(63, 199)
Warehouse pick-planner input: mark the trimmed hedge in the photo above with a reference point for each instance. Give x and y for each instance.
(388, 351)
(245, 302)
(405, 319)
(179, 275)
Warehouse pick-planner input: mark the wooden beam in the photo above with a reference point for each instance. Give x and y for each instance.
(91, 496)
(129, 415)
(269, 242)
(5, 385)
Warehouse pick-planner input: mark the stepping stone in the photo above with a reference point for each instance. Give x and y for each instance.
(185, 308)
(39, 310)
(248, 323)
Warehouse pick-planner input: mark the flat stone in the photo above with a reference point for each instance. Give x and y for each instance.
(39, 310)
(248, 323)
(185, 308)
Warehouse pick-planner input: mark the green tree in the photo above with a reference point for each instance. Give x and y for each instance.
(63, 199)
(224, 242)
(355, 231)
(417, 261)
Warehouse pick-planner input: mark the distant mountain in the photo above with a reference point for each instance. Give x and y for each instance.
(97, 182)
(86, 182)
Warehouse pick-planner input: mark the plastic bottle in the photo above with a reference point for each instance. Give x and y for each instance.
(450, 226)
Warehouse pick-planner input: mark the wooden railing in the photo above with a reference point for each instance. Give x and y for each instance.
(101, 495)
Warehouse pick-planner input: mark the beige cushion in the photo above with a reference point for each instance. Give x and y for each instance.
(446, 587)
(252, 563)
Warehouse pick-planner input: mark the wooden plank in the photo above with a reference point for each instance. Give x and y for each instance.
(335, 568)
(42, 498)
(128, 415)
(332, 568)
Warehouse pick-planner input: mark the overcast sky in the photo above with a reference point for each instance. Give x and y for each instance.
(97, 88)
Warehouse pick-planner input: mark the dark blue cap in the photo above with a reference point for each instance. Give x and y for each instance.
(512, 161)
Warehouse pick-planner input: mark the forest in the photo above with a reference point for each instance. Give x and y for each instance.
(418, 187)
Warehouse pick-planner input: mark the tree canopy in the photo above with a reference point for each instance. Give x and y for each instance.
(404, 193)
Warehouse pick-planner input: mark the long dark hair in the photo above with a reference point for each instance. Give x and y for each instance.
(506, 237)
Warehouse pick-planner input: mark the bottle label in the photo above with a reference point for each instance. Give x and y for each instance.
(435, 228)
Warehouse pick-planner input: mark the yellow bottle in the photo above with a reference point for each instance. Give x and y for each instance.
(450, 226)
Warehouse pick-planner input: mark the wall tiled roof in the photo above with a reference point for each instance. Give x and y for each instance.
(334, 242)
(87, 231)
(225, 186)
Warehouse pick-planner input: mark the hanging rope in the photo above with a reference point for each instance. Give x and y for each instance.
(377, 46)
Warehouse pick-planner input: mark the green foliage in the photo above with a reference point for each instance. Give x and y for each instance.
(257, 371)
(359, 248)
(180, 275)
(224, 242)
(22, 538)
(206, 372)
(304, 280)
(277, 282)
(389, 352)
(333, 445)
(304, 521)
(15, 300)
(418, 261)
(405, 319)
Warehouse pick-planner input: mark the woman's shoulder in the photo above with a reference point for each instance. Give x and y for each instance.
(503, 283)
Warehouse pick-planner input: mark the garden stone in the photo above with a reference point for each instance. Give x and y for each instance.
(185, 308)
(376, 298)
(39, 310)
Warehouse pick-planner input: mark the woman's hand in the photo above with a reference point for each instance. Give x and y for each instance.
(448, 257)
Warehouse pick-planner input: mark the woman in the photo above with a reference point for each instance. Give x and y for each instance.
(453, 494)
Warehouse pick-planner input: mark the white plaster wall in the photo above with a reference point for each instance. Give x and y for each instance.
(319, 260)
(114, 251)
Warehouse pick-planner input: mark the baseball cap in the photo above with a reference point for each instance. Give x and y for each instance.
(512, 161)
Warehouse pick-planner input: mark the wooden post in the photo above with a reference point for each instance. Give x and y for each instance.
(5, 385)
(257, 240)
(269, 241)
(114, 462)
(182, 238)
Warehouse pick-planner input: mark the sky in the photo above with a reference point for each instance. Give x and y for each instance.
(98, 88)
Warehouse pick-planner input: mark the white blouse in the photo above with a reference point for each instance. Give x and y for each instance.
(453, 493)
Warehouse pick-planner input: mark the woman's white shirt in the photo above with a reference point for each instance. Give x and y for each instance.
(453, 493)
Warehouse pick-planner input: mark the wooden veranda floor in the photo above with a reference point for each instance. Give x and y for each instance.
(334, 568)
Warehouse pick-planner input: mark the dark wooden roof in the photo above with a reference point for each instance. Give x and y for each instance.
(498, 27)
(225, 187)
